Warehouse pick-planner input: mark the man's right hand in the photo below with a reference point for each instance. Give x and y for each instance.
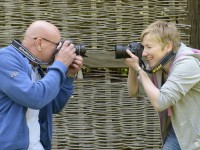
(66, 54)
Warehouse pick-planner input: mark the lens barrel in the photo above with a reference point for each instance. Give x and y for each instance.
(120, 51)
(136, 48)
(80, 50)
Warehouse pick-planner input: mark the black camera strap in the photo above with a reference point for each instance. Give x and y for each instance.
(18, 46)
(162, 63)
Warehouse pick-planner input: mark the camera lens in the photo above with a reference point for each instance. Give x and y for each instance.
(120, 52)
(80, 50)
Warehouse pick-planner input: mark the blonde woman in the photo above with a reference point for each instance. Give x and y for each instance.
(173, 87)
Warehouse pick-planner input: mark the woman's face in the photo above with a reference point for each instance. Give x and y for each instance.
(153, 52)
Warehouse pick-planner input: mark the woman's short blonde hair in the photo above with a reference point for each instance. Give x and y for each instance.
(163, 32)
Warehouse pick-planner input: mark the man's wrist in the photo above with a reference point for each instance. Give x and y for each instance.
(71, 75)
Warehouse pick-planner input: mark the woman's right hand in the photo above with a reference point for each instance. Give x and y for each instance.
(133, 61)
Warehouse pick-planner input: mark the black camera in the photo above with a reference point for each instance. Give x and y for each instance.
(80, 49)
(136, 48)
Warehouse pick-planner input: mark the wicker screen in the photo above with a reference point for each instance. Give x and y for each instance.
(100, 115)
(99, 24)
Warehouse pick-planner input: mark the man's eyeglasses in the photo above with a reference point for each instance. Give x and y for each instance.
(48, 41)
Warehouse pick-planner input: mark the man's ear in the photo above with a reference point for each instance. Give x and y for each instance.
(39, 43)
(39, 48)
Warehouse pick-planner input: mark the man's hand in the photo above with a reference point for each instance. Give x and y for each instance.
(66, 54)
(76, 65)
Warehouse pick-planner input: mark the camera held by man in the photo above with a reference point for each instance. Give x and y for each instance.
(80, 49)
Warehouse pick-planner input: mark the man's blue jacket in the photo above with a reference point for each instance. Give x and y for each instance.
(18, 92)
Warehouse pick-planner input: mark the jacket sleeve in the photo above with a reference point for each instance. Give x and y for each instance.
(184, 75)
(18, 86)
(63, 96)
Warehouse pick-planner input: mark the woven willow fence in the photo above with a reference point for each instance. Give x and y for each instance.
(100, 115)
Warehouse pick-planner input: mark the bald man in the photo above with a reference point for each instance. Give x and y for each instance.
(28, 98)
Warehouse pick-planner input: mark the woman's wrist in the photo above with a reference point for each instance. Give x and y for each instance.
(138, 70)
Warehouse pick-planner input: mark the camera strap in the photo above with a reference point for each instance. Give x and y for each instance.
(162, 63)
(20, 48)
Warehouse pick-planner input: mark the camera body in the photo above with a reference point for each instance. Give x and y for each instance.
(136, 48)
